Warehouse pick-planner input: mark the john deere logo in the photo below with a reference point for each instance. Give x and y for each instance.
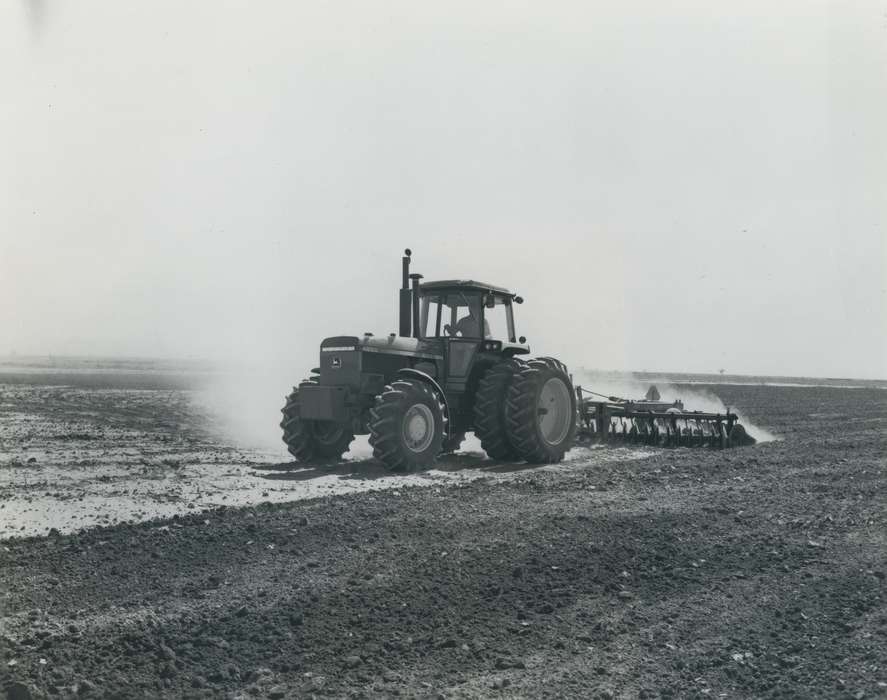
(336, 363)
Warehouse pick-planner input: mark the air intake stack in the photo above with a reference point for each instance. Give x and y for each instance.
(416, 330)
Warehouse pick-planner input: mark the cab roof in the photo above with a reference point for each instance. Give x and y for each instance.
(472, 285)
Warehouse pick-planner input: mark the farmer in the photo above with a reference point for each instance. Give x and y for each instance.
(469, 326)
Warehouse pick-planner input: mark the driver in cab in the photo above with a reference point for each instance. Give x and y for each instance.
(469, 326)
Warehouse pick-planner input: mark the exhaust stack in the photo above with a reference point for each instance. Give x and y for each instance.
(416, 329)
(406, 297)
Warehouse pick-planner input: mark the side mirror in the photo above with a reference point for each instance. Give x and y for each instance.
(522, 340)
(518, 300)
(490, 301)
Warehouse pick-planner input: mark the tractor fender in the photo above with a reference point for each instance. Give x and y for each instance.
(428, 379)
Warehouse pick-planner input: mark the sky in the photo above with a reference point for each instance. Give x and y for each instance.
(687, 186)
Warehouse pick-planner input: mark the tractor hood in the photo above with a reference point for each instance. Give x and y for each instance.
(389, 345)
(347, 360)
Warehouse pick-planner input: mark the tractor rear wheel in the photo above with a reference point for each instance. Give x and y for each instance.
(540, 411)
(489, 409)
(407, 425)
(312, 440)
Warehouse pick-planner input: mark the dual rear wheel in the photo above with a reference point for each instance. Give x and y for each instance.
(526, 410)
(540, 411)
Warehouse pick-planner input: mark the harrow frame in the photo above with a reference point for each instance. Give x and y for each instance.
(659, 423)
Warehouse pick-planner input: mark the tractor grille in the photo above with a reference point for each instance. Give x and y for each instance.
(340, 365)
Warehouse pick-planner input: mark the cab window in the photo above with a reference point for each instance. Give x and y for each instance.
(497, 318)
(454, 315)
(431, 316)
(466, 316)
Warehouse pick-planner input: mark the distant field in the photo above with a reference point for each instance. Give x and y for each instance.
(105, 373)
(134, 373)
(741, 379)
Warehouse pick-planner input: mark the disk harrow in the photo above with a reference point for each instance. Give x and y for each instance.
(654, 422)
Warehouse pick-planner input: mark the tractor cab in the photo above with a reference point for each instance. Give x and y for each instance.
(472, 324)
(467, 309)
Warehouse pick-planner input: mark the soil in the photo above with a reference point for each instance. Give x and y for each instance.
(650, 573)
(105, 447)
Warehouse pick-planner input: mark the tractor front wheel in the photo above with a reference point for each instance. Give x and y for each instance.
(407, 425)
(312, 440)
(540, 411)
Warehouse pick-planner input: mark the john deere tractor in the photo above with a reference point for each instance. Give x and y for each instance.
(456, 365)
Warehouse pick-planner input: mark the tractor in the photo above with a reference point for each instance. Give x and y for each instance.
(455, 365)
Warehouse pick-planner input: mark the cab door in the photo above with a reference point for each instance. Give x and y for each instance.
(459, 359)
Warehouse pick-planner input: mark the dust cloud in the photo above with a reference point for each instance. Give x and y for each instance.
(243, 401)
(244, 404)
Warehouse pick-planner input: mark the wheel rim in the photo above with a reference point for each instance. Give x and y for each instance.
(555, 411)
(418, 427)
(327, 432)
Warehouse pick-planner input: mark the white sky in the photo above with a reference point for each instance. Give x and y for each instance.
(672, 186)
